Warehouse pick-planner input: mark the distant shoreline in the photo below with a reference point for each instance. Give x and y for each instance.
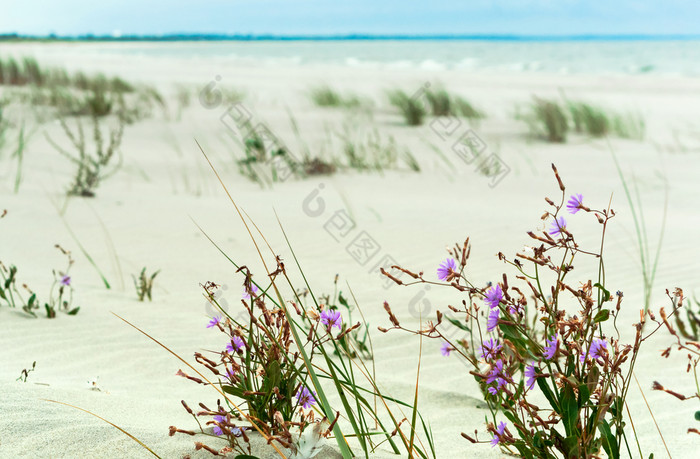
(349, 37)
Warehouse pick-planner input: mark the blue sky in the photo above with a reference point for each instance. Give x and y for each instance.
(319, 17)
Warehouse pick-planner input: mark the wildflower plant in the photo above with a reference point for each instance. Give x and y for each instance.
(60, 296)
(278, 363)
(684, 342)
(551, 338)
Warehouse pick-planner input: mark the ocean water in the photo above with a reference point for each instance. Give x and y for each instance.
(665, 57)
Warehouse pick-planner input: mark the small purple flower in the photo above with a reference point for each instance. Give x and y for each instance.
(214, 321)
(447, 268)
(574, 203)
(515, 310)
(331, 318)
(305, 398)
(65, 280)
(230, 373)
(220, 420)
(492, 322)
(254, 288)
(500, 382)
(489, 349)
(558, 225)
(596, 350)
(530, 376)
(235, 345)
(551, 348)
(445, 349)
(494, 296)
(496, 374)
(498, 435)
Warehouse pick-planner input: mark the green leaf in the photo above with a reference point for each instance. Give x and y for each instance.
(697, 415)
(457, 323)
(233, 390)
(583, 395)
(548, 393)
(74, 311)
(601, 316)
(609, 443)
(2, 294)
(569, 414)
(606, 294)
(246, 456)
(523, 449)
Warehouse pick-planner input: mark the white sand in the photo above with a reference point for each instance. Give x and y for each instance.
(147, 206)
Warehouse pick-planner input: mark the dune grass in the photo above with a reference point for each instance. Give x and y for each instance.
(443, 103)
(553, 120)
(325, 96)
(547, 119)
(436, 101)
(589, 119)
(412, 110)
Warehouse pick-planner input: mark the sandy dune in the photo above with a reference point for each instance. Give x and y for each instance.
(143, 217)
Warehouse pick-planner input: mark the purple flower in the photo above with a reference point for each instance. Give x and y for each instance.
(489, 349)
(551, 348)
(445, 349)
(574, 203)
(254, 288)
(235, 345)
(65, 280)
(596, 350)
(558, 225)
(305, 398)
(230, 373)
(498, 435)
(494, 296)
(447, 268)
(500, 382)
(492, 322)
(331, 318)
(496, 375)
(515, 310)
(220, 420)
(214, 321)
(530, 376)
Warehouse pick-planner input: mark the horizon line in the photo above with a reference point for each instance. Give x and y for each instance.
(340, 37)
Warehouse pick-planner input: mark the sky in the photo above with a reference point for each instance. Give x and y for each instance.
(339, 17)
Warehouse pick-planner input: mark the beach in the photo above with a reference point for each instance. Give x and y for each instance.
(147, 215)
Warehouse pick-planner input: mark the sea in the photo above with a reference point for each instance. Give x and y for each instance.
(679, 57)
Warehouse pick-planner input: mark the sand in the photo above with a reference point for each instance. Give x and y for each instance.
(143, 216)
